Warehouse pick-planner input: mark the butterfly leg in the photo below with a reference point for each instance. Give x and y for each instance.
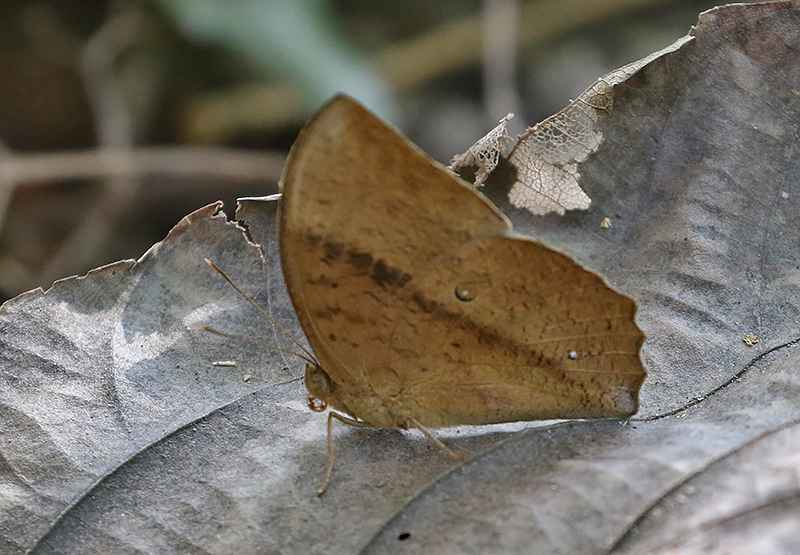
(435, 440)
(331, 452)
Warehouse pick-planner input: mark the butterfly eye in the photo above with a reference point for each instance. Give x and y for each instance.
(316, 404)
(465, 294)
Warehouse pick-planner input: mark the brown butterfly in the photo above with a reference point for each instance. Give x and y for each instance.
(422, 308)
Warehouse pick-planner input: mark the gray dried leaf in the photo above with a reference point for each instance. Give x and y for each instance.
(547, 156)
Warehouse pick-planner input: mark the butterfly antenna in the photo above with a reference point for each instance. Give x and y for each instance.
(307, 355)
(243, 339)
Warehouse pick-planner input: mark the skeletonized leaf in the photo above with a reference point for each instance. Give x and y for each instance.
(485, 153)
(547, 156)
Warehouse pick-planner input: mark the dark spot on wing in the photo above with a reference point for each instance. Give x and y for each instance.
(331, 251)
(314, 240)
(361, 261)
(432, 307)
(385, 275)
(321, 279)
(380, 272)
(484, 334)
(327, 312)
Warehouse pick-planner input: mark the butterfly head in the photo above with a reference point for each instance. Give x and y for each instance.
(318, 385)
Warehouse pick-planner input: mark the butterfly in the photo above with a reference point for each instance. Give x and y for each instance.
(422, 308)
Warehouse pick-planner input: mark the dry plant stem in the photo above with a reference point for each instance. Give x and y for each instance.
(115, 132)
(454, 45)
(185, 162)
(198, 165)
(115, 127)
(12, 271)
(500, 41)
(8, 180)
(405, 65)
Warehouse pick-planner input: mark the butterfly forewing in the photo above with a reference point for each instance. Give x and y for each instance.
(419, 304)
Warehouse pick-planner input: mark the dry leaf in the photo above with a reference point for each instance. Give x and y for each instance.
(547, 156)
(484, 154)
(750, 339)
(224, 363)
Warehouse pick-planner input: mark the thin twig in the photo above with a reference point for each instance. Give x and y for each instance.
(8, 180)
(200, 166)
(115, 132)
(172, 161)
(12, 271)
(500, 44)
(456, 44)
(406, 65)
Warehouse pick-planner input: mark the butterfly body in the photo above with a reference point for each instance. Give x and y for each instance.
(420, 304)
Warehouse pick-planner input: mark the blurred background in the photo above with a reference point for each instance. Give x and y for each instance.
(119, 117)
